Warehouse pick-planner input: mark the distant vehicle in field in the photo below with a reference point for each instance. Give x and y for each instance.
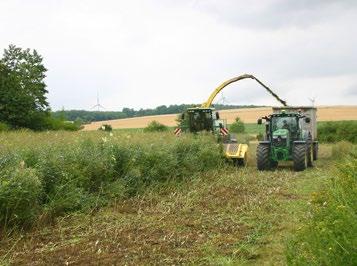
(290, 135)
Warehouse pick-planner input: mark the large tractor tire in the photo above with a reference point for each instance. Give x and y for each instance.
(263, 157)
(315, 150)
(300, 157)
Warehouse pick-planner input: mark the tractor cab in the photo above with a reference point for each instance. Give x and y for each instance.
(284, 126)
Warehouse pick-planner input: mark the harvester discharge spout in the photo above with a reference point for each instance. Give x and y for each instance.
(209, 101)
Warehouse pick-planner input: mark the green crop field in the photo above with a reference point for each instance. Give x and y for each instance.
(130, 197)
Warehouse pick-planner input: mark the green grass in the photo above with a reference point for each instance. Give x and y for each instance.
(184, 205)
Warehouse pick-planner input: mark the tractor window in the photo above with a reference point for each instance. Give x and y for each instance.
(286, 122)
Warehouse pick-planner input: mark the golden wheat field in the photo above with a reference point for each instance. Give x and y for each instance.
(248, 115)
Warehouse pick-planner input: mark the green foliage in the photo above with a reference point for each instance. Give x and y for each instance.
(337, 131)
(4, 127)
(59, 124)
(59, 177)
(237, 126)
(330, 234)
(155, 126)
(22, 89)
(105, 127)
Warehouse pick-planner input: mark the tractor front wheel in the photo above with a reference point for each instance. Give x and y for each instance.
(263, 157)
(299, 157)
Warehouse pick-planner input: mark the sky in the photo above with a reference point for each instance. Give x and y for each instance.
(142, 54)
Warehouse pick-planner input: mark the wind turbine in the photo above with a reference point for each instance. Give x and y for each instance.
(312, 100)
(223, 99)
(98, 105)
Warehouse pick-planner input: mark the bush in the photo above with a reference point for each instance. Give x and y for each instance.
(337, 131)
(4, 127)
(330, 234)
(20, 192)
(155, 126)
(105, 127)
(237, 126)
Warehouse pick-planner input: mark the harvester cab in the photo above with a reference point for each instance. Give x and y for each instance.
(289, 136)
(203, 119)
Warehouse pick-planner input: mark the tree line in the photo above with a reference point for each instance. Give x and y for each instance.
(90, 116)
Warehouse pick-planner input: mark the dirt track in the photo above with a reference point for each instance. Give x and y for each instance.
(248, 115)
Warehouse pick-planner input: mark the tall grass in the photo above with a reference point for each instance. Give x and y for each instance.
(50, 174)
(329, 236)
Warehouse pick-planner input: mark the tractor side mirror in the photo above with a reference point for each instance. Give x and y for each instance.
(183, 116)
(260, 121)
(217, 115)
(307, 119)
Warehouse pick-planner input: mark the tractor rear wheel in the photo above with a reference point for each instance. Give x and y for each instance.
(263, 157)
(299, 157)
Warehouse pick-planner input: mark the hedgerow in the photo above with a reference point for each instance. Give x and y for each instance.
(337, 131)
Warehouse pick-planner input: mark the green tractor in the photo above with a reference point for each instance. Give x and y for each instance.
(290, 135)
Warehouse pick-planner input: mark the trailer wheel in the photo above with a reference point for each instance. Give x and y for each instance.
(315, 150)
(263, 157)
(309, 156)
(299, 157)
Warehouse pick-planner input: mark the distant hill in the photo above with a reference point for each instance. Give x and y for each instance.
(92, 116)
